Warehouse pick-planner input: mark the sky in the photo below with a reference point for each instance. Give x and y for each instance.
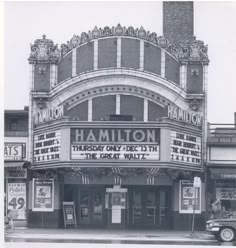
(214, 23)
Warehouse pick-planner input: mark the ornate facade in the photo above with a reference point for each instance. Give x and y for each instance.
(117, 126)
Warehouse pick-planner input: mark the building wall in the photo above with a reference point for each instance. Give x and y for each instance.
(130, 53)
(84, 58)
(107, 51)
(64, 69)
(152, 58)
(178, 21)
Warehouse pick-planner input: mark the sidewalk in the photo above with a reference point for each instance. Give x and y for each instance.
(106, 235)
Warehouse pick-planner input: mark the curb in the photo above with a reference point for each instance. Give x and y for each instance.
(107, 239)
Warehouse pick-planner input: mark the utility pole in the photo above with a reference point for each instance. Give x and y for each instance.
(196, 185)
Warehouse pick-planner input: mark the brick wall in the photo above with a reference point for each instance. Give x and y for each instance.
(84, 59)
(65, 68)
(132, 105)
(103, 106)
(172, 69)
(107, 50)
(42, 77)
(130, 53)
(178, 21)
(195, 78)
(152, 58)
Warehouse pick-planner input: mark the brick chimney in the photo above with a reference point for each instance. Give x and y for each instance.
(178, 21)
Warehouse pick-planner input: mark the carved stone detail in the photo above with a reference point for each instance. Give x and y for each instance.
(192, 51)
(194, 72)
(41, 102)
(195, 51)
(44, 50)
(42, 70)
(194, 104)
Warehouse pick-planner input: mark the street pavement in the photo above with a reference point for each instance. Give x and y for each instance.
(73, 245)
(102, 236)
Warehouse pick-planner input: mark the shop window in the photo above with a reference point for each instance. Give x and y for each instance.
(228, 208)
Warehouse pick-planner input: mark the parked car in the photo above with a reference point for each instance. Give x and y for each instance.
(223, 229)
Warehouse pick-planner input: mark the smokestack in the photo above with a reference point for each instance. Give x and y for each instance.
(178, 21)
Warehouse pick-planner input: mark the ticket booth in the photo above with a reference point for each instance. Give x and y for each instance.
(116, 205)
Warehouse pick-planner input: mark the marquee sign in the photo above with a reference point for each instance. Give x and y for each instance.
(190, 117)
(48, 114)
(115, 143)
(47, 146)
(15, 172)
(185, 148)
(13, 151)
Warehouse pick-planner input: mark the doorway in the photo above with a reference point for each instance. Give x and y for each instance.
(90, 205)
(149, 206)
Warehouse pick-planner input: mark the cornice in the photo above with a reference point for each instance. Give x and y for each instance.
(193, 51)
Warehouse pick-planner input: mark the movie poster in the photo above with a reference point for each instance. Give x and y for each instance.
(188, 195)
(43, 195)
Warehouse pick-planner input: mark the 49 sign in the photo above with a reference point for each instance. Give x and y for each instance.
(17, 200)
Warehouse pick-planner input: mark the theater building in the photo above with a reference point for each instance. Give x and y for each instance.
(117, 125)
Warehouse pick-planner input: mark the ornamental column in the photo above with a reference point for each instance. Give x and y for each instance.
(43, 60)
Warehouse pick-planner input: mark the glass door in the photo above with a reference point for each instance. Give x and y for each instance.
(137, 207)
(84, 213)
(150, 208)
(97, 207)
(164, 207)
(91, 206)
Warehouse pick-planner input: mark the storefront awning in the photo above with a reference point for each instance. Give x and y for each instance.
(223, 173)
(13, 164)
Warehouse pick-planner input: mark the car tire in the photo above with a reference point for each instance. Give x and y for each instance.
(227, 234)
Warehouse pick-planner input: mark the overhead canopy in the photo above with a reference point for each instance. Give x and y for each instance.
(223, 173)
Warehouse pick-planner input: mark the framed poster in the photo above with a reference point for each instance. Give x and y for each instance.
(43, 195)
(16, 200)
(188, 195)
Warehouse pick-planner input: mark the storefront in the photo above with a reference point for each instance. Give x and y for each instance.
(15, 183)
(223, 187)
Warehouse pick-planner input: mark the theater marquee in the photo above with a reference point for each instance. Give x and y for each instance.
(185, 148)
(47, 146)
(115, 143)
